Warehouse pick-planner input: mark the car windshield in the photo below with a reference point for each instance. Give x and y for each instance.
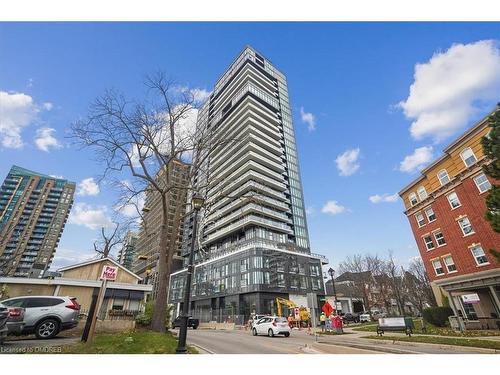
(281, 320)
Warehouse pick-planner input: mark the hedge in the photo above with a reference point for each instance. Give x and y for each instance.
(437, 316)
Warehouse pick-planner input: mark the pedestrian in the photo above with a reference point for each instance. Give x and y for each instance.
(290, 321)
(322, 320)
(332, 320)
(249, 324)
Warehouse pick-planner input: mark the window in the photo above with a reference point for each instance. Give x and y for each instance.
(438, 235)
(422, 193)
(443, 177)
(438, 268)
(420, 219)
(429, 244)
(43, 302)
(450, 265)
(118, 304)
(413, 199)
(482, 183)
(453, 199)
(468, 157)
(479, 256)
(281, 280)
(466, 226)
(244, 280)
(431, 216)
(244, 265)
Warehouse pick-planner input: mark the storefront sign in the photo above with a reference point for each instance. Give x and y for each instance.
(109, 273)
(470, 298)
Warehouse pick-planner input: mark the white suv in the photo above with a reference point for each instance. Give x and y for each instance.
(46, 316)
(271, 325)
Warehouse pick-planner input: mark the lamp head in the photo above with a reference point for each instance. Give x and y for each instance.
(197, 201)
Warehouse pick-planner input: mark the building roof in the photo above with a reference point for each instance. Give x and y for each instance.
(448, 148)
(75, 282)
(92, 261)
(15, 169)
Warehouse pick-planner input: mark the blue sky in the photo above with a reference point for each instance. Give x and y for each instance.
(345, 83)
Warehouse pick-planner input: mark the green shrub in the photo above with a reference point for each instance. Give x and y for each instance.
(437, 316)
(145, 318)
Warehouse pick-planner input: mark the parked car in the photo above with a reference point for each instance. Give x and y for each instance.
(350, 318)
(4, 315)
(45, 316)
(271, 326)
(192, 322)
(365, 317)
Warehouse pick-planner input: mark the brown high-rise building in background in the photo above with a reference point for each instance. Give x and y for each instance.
(33, 211)
(445, 207)
(147, 247)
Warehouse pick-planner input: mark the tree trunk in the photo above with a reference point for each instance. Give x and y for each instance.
(164, 268)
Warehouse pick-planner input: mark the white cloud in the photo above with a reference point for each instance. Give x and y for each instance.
(134, 207)
(416, 161)
(200, 95)
(45, 139)
(47, 106)
(449, 89)
(347, 163)
(384, 198)
(65, 257)
(333, 208)
(88, 187)
(17, 110)
(309, 119)
(89, 216)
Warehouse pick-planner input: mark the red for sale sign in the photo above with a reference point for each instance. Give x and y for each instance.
(109, 273)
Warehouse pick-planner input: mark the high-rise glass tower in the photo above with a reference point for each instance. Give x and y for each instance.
(254, 243)
(33, 211)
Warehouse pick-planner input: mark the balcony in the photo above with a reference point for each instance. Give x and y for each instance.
(249, 207)
(270, 176)
(248, 220)
(278, 199)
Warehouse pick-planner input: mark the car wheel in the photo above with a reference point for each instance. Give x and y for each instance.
(254, 332)
(194, 327)
(270, 333)
(287, 334)
(47, 329)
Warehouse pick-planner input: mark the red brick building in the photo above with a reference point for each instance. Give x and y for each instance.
(445, 207)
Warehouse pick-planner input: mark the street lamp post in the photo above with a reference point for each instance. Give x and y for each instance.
(197, 202)
(331, 271)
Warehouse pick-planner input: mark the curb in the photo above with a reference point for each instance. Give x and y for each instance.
(367, 347)
(202, 349)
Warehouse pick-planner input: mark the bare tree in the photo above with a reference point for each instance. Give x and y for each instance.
(417, 285)
(395, 276)
(362, 269)
(105, 244)
(140, 140)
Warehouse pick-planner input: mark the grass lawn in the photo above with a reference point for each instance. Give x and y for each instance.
(141, 342)
(488, 344)
(433, 330)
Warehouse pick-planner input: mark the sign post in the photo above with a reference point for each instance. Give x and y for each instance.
(108, 274)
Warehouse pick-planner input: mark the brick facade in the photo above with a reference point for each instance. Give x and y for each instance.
(457, 245)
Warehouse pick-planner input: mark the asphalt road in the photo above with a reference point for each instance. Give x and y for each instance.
(242, 342)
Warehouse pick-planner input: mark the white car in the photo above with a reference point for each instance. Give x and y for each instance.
(271, 325)
(365, 318)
